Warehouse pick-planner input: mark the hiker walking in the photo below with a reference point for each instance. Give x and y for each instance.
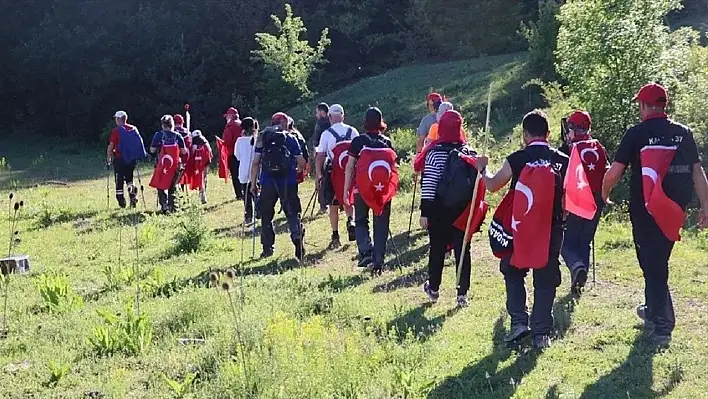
(446, 193)
(330, 167)
(233, 131)
(666, 168)
(169, 147)
(432, 102)
(277, 158)
(530, 216)
(370, 183)
(589, 162)
(125, 149)
(321, 124)
(197, 170)
(184, 179)
(244, 154)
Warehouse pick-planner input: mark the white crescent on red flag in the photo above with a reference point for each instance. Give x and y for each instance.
(167, 165)
(579, 199)
(339, 164)
(667, 214)
(377, 177)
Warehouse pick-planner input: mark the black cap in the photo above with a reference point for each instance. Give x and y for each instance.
(373, 114)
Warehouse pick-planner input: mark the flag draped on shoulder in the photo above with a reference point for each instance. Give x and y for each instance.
(501, 237)
(201, 158)
(339, 165)
(669, 216)
(377, 177)
(479, 208)
(223, 158)
(579, 199)
(167, 165)
(187, 160)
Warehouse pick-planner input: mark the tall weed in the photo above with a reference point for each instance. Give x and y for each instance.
(192, 231)
(130, 335)
(57, 294)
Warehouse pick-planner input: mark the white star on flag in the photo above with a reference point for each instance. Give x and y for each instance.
(582, 185)
(514, 224)
(164, 171)
(379, 187)
(591, 166)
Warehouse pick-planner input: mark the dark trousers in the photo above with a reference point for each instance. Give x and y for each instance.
(123, 175)
(653, 252)
(248, 199)
(441, 234)
(363, 239)
(271, 192)
(233, 169)
(166, 198)
(579, 234)
(545, 282)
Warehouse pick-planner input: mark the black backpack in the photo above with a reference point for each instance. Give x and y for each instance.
(276, 158)
(454, 190)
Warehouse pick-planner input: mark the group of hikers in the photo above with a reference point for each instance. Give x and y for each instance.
(550, 212)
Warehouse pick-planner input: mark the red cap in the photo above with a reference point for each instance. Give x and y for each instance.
(231, 111)
(450, 128)
(580, 119)
(278, 117)
(179, 120)
(652, 94)
(434, 97)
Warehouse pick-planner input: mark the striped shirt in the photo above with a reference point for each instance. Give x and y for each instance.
(434, 167)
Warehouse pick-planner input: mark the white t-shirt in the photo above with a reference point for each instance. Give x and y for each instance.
(328, 141)
(243, 150)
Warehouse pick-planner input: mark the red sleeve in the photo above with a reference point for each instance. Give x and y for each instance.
(114, 137)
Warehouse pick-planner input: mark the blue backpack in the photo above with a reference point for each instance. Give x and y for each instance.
(131, 145)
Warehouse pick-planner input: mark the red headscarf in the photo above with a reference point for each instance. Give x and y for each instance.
(449, 131)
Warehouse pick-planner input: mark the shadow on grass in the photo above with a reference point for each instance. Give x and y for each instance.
(481, 380)
(213, 207)
(633, 378)
(416, 324)
(412, 279)
(341, 283)
(50, 218)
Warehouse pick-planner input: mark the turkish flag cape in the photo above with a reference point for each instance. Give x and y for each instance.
(201, 158)
(667, 214)
(501, 238)
(167, 165)
(339, 164)
(593, 157)
(579, 199)
(480, 206)
(223, 158)
(186, 159)
(377, 177)
(532, 214)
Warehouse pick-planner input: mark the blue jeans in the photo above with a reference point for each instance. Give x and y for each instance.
(579, 233)
(363, 239)
(271, 192)
(545, 282)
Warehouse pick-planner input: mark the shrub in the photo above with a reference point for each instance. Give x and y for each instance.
(57, 294)
(541, 37)
(404, 141)
(192, 230)
(131, 335)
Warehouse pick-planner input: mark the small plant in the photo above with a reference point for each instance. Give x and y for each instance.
(130, 335)
(57, 294)
(192, 230)
(12, 213)
(58, 371)
(180, 388)
(117, 275)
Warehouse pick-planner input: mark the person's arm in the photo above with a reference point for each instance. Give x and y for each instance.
(319, 166)
(348, 176)
(301, 162)
(494, 182)
(255, 170)
(612, 177)
(701, 186)
(109, 153)
(422, 132)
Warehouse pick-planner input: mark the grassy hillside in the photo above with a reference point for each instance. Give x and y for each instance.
(322, 330)
(400, 93)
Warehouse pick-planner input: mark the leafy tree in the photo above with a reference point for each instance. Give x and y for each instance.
(541, 36)
(290, 60)
(607, 49)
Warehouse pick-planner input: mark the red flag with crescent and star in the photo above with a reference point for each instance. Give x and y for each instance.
(167, 165)
(187, 158)
(377, 177)
(579, 199)
(594, 160)
(224, 153)
(667, 214)
(201, 158)
(339, 164)
(532, 215)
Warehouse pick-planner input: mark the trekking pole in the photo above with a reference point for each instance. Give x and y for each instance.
(108, 186)
(142, 188)
(312, 211)
(410, 219)
(395, 250)
(136, 268)
(310, 202)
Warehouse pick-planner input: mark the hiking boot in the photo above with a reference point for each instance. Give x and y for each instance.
(660, 341)
(365, 260)
(578, 279)
(642, 313)
(121, 201)
(377, 270)
(334, 242)
(351, 231)
(267, 253)
(541, 342)
(432, 295)
(299, 250)
(248, 221)
(462, 301)
(202, 197)
(517, 333)
(133, 194)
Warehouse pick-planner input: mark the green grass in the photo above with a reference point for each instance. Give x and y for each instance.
(400, 93)
(325, 330)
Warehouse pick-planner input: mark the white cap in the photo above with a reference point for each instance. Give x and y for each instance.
(336, 109)
(444, 107)
(120, 114)
(196, 133)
